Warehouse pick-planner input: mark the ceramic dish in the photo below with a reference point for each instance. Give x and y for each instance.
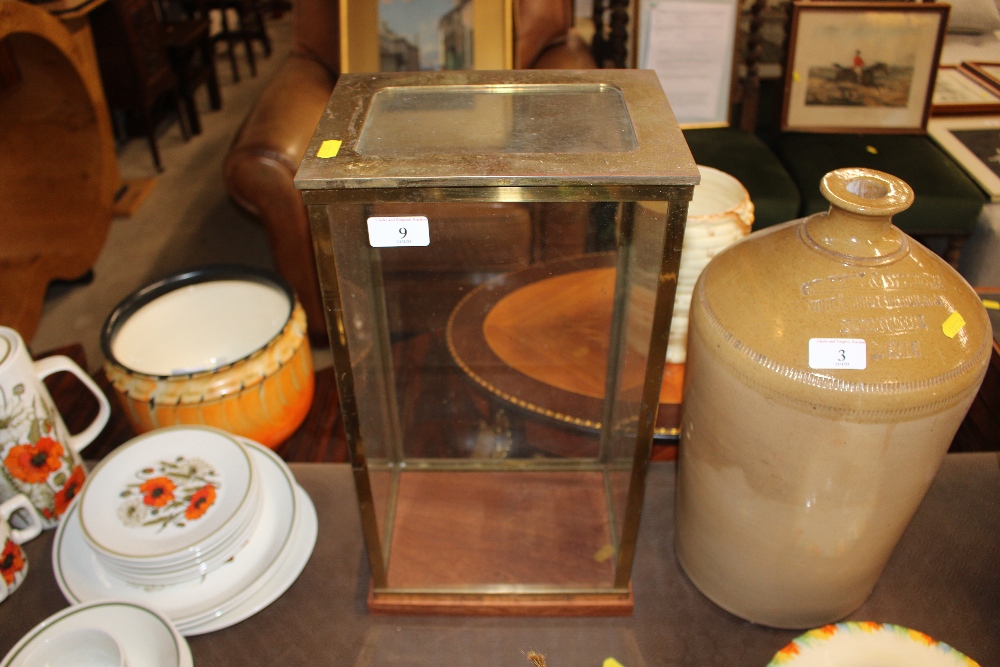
(82, 577)
(146, 637)
(201, 326)
(167, 495)
(273, 583)
(222, 346)
(856, 644)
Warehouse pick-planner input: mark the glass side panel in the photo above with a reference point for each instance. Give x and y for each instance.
(364, 327)
(641, 265)
(477, 120)
(481, 365)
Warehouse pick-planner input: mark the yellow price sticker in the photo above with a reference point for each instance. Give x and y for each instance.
(952, 325)
(990, 304)
(795, 76)
(329, 148)
(611, 662)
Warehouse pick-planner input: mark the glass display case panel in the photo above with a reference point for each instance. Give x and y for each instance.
(497, 342)
(471, 120)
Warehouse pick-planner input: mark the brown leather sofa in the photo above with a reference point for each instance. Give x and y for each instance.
(261, 165)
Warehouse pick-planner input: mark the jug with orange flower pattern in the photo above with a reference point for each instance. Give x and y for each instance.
(38, 456)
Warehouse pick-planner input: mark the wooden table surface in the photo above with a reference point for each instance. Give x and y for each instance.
(943, 579)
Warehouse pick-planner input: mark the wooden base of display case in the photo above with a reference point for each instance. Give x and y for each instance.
(544, 536)
(468, 605)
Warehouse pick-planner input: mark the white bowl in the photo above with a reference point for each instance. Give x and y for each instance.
(82, 647)
(145, 637)
(201, 327)
(195, 567)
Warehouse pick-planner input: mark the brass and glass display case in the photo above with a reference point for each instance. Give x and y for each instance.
(498, 254)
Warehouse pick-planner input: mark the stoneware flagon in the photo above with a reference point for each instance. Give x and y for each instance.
(830, 362)
(220, 346)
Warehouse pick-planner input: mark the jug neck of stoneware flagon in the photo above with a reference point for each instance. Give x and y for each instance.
(858, 227)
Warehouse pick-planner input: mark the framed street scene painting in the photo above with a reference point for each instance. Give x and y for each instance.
(974, 143)
(862, 67)
(412, 35)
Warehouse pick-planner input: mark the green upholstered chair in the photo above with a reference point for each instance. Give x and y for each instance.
(745, 157)
(947, 201)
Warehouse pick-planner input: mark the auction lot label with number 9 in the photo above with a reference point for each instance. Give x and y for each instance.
(838, 353)
(393, 231)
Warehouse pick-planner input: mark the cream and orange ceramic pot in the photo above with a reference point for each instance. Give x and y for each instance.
(720, 214)
(220, 346)
(830, 362)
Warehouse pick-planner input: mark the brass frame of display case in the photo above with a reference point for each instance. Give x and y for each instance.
(658, 168)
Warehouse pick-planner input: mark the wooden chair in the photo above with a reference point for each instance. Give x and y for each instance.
(135, 66)
(249, 26)
(192, 55)
(609, 44)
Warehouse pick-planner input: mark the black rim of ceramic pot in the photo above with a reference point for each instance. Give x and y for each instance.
(144, 295)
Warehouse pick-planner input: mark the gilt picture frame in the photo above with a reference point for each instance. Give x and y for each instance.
(866, 67)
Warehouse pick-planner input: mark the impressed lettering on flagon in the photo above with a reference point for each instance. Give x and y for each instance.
(898, 305)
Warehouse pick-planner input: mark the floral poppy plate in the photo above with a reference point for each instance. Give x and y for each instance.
(82, 577)
(166, 492)
(854, 644)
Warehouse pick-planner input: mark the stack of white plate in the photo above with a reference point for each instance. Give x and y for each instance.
(156, 515)
(205, 527)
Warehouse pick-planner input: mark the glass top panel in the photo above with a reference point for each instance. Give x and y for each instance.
(485, 119)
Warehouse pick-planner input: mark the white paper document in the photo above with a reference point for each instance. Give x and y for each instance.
(690, 46)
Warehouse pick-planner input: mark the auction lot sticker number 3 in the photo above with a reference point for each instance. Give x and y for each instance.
(394, 231)
(837, 354)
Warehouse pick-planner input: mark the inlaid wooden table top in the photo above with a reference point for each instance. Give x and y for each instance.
(539, 339)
